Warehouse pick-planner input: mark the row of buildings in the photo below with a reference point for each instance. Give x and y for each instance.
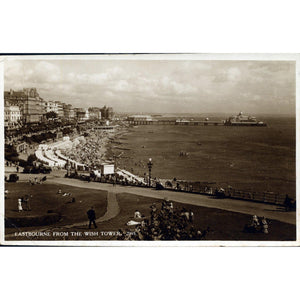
(27, 107)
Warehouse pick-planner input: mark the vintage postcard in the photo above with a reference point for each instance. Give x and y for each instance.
(168, 149)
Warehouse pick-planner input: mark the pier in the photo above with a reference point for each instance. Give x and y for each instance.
(175, 122)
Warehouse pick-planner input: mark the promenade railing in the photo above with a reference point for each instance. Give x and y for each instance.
(265, 197)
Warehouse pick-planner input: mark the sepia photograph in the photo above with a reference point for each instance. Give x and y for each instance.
(152, 149)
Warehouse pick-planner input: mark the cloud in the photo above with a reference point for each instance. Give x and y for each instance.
(121, 85)
(182, 85)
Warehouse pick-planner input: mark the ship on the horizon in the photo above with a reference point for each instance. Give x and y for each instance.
(243, 120)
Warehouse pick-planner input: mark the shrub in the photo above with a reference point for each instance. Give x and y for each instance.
(22, 163)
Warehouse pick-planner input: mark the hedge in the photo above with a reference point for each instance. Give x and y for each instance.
(29, 221)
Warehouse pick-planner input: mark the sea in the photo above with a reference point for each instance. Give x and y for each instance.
(248, 158)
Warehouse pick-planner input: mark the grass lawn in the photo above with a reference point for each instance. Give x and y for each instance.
(224, 225)
(45, 198)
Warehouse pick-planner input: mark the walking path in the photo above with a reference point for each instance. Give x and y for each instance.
(252, 208)
(111, 211)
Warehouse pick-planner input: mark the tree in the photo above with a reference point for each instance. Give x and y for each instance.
(51, 115)
(31, 158)
(11, 153)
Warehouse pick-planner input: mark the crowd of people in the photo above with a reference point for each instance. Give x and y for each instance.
(257, 224)
(165, 223)
(169, 223)
(89, 150)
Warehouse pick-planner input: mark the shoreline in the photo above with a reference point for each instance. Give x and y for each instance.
(112, 143)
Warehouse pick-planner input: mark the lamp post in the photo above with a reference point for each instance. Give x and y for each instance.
(115, 161)
(68, 168)
(150, 164)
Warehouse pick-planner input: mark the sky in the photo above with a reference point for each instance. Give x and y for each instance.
(160, 86)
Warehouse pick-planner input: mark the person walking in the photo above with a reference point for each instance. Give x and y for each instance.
(26, 201)
(20, 208)
(92, 217)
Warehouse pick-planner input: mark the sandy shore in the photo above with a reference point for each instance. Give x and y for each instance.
(114, 148)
